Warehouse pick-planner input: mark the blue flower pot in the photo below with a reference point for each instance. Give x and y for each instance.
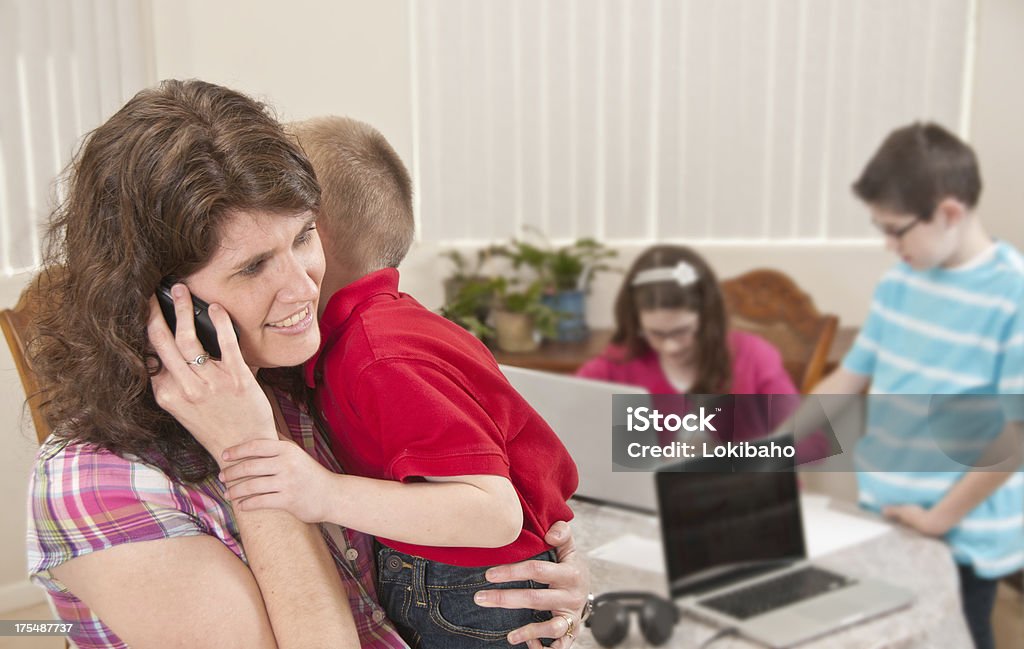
(572, 326)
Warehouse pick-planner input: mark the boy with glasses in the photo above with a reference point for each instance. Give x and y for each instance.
(944, 323)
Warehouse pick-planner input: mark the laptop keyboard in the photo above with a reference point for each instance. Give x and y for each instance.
(768, 595)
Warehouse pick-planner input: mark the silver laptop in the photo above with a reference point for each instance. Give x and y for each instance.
(735, 556)
(580, 413)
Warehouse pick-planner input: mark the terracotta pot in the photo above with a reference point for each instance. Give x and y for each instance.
(515, 332)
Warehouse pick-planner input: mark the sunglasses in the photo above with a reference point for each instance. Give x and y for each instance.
(612, 611)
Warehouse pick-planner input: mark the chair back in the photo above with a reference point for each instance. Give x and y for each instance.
(770, 304)
(17, 326)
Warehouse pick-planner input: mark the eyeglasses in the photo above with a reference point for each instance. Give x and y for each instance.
(897, 233)
(679, 335)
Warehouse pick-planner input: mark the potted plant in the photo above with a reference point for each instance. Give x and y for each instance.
(564, 273)
(520, 316)
(466, 271)
(469, 305)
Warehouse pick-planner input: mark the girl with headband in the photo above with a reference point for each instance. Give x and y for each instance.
(672, 336)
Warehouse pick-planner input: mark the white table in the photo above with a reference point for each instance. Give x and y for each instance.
(919, 564)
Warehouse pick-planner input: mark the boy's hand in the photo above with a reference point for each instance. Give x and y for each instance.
(925, 521)
(568, 584)
(277, 474)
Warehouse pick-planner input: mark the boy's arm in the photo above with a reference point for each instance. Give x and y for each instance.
(473, 511)
(968, 492)
(1003, 458)
(843, 381)
(811, 417)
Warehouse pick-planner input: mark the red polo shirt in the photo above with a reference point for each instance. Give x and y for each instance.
(406, 393)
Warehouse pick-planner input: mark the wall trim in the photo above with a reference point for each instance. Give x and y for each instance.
(20, 595)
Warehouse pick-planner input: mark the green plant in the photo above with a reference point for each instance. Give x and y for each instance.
(469, 305)
(564, 268)
(526, 301)
(464, 268)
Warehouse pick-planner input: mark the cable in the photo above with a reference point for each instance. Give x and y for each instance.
(723, 633)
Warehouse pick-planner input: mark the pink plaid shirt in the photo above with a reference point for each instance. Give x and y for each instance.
(82, 500)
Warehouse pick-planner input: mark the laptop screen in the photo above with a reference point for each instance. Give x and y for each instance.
(722, 527)
(581, 414)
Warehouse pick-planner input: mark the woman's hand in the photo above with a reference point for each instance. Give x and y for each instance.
(568, 586)
(277, 474)
(219, 402)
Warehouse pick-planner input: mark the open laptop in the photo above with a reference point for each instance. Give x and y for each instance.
(580, 413)
(735, 555)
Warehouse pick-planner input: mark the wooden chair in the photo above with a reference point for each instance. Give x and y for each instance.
(16, 324)
(770, 304)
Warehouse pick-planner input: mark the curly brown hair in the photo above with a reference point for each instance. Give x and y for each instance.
(147, 195)
(714, 362)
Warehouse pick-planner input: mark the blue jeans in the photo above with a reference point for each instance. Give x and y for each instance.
(979, 597)
(432, 605)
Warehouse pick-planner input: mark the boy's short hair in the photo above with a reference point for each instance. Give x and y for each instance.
(366, 200)
(918, 166)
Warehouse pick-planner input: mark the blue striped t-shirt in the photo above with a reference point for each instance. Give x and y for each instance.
(949, 342)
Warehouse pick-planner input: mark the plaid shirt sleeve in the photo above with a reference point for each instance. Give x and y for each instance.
(83, 499)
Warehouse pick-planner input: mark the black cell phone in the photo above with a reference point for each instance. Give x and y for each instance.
(205, 331)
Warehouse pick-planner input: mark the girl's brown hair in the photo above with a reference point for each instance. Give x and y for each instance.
(147, 196)
(714, 366)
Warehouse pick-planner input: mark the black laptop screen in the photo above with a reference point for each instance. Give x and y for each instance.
(720, 527)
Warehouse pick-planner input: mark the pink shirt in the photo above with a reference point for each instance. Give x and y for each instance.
(756, 368)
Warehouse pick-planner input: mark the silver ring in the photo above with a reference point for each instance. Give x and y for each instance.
(198, 360)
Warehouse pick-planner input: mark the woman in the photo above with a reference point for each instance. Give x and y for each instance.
(129, 530)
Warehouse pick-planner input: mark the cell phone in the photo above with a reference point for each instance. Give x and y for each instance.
(205, 331)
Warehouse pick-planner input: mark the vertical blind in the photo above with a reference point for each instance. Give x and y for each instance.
(643, 120)
(65, 66)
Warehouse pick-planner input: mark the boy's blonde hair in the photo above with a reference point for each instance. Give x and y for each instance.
(366, 199)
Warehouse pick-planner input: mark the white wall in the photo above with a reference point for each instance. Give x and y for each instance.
(304, 57)
(350, 57)
(367, 48)
(997, 124)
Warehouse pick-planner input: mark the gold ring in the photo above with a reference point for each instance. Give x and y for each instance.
(570, 625)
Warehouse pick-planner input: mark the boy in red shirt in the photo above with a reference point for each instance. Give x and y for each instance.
(449, 466)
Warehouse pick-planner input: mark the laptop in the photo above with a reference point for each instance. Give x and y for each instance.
(735, 556)
(580, 413)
